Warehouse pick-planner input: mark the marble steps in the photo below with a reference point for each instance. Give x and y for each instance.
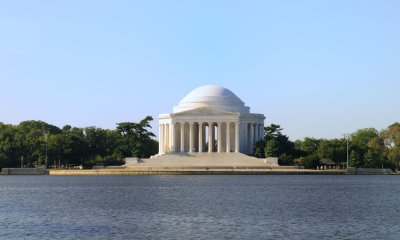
(203, 159)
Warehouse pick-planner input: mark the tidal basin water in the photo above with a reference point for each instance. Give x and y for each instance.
(200, 207)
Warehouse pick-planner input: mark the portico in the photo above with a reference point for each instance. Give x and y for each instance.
(191, 136)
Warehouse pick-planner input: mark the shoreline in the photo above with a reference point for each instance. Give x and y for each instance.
(193, 171)
(197, 171)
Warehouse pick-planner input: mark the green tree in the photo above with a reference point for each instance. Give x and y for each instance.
(334, 149)
(32, 135)
(26, 144)
(394, 155)
(309, 161)
(362, 137)
(136, 139)
(278, 145)
(94, 142)
(259, 149)
(272, 148)
(371, 159)
(73, 146)
(355, 159)
(391, 135)
(308, 146)
(286, 159)
(10, 146)
(272, 131)
(391, 139)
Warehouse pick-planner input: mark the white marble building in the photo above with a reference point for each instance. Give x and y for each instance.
(210, 119)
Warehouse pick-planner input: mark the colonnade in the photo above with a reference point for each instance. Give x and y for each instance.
(209, 136)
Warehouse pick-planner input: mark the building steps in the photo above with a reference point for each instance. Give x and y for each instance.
(201, 160)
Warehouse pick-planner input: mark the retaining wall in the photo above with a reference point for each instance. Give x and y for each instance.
(368, 171)
(24, 171)
(193, 171)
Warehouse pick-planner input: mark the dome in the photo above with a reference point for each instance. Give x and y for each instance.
(213, 96)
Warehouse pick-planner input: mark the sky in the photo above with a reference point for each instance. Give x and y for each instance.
(317, 68)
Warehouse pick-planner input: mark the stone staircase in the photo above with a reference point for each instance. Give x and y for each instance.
(187, 160)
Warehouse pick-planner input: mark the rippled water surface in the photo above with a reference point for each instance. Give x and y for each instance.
(200, 207)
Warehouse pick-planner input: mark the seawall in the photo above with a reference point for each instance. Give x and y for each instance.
(195, 171)
(368, 171)
(24, 171)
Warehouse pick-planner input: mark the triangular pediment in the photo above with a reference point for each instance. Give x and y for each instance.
(204, 111)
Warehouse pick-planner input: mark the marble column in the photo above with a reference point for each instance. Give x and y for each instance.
(251, 138)
(237, 143)
(160, 139)
(164, 133)
(191, 133)
(200, 137)
(256, 132)
(228, 137)
(166, 138)
(167, 147)
(261, 131)
(182, 136)
(163, 138)
(204, 136)
(246, 137)
(219, 149)
(172, 137)
(210, 136)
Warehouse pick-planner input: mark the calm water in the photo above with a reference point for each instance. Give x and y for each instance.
(200, 207)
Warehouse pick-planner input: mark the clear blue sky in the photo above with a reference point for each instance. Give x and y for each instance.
(317, 68)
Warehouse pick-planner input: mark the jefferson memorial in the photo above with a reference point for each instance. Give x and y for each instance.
(210, 119)
(210, 128)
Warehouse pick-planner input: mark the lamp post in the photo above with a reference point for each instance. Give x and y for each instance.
(346, 135)
(45, 138)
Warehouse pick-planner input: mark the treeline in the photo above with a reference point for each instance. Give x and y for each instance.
(28, 143)
(368, 148)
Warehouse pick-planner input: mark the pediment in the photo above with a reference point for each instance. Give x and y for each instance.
(204, 111)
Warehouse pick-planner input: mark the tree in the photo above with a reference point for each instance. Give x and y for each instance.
(10, 146)
(306, 151)
(394, 155)
(310, 161)
(360, 145)
(391, 139)
(272, 131)
(361, 138)
(31, 135)
(308, 146)
(136, 139)
(259, 149)
(272, 148)
(278, 145)
(73, 146)
(94, 142)
(371, 159)
(26, 144)
(286, 159)
(355, 159)
(391, 135)
(55, 148)
(334, 149)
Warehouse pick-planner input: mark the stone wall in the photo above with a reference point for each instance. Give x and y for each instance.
(194, 171)
(368, 171)
(24, 171)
